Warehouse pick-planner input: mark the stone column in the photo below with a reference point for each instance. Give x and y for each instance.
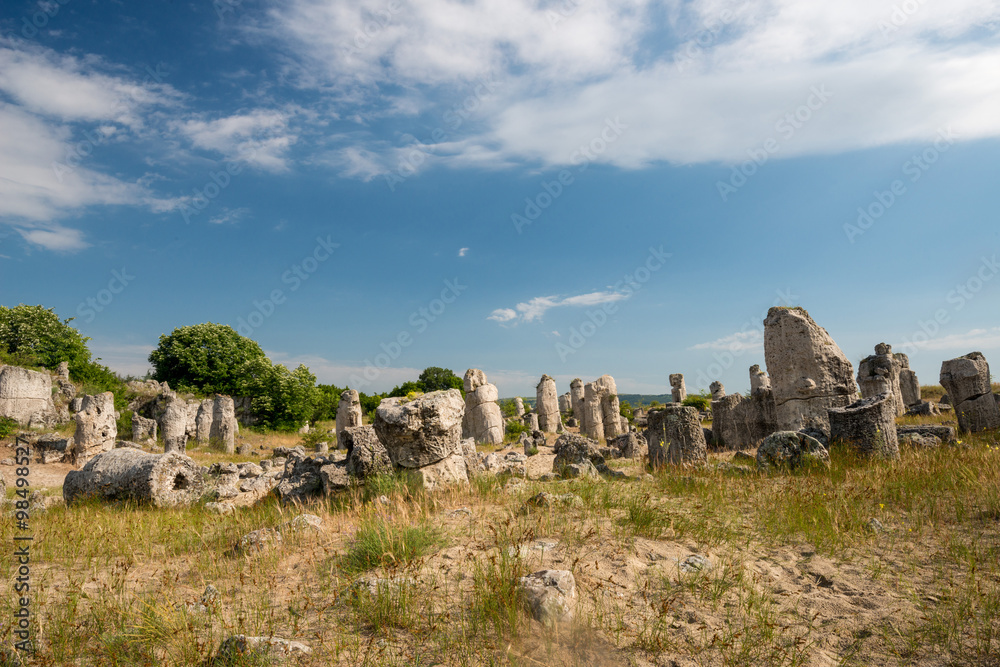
(677, 388)
(868, 425)
(547, 405)
(675, 435)
(967, 381)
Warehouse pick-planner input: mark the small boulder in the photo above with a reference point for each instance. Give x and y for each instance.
(550, 595)
(790, 450)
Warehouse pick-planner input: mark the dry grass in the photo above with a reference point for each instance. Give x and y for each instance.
(797, 577)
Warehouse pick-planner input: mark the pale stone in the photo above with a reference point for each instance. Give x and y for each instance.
(547, 404)
(967, 381)
(879, 373)
(678, 390)
(223, 429)
(518, 407)
(674, 435)
(551, 595)
(26, 396)
(348, 411)
(449, 471)
(576, 393)
(809, 372)
(725, 431)
(173, 426)
(868, 425)
(96, 430)
(483, 420)
(163, 480)
(422, 431)
(718, 390)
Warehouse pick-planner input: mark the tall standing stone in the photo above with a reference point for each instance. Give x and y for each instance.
(754, 418)
(610, 407)
(809, 372)
(173, 426)
(483, 420)
(592, 422)
(879, 373)
(725, 431)
(348, 411)
(565, 403)
(868, 425)
(674, 435)
(677, 388)
(518, 407)
(203, 421)
(909, 385)
(576, 394)
(531, 421)
(547, 405)
(26, 396)
(967, 381)
(224, 423)
(96, 429)
(718, 390)
(759, 381)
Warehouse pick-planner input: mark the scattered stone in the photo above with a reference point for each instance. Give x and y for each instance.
(695, 563)
(301, 478)
(675, 436)
(923, 408)
(449, 471)
(868, 425)
(577, 456)
(547, 405)
(307, 522)
(334, 477)
(52, 448)
(257, 541)
(967, 381)
(743, 457)
(551, 595)
(242, 646)
(809, 372)
(162, 480)
(875, 525)
(790, 450)
(628, 446)
(546, 499)
(919, 441)
(942, 433)
(678, 390)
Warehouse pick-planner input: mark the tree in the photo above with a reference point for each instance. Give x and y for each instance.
(434, 378)
(327, 400)
(406, 388)
(35, 336)
(626, 410)
(211, 358)
(282, 399)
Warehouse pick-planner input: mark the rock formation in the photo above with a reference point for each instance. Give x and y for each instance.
(224, 426)
(173, 426)
(674, 435)
(868, 426)
(483, 421)
(96, 429)
(348, 411)
(809, 372)
(162, 480)
(967, 381)
(677, 388)
(576, 397)
(879, 373)
(909, 385)
(547, 405)
(26, 396)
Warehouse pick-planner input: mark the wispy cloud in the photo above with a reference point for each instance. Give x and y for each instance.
(229, 216)
(741, 341)
(535, 309)
(462, 252)
(974, 339)
(259, 137)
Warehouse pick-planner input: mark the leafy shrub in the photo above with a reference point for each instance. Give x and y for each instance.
(514, 429)
(701, 401)
(8, 426)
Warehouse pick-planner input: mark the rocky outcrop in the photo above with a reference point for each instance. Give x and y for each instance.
(967, 381)
(725, 429)
(809, 372)
(601, 409)
(547, 405)
(550, 595)
(576, 398)
(518, 407)
(26, 397)
(96, 429)
(366, 457)
(718, 390)
(162, 480)
(674, 435)
(143, 430)
(483, 421)
(868, 426)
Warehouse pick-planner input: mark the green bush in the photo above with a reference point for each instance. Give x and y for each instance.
(514, 429)
(8, 426)
(701, 401)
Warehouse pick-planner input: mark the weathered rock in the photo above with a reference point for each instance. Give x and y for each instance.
(483, 421)
(942, 433)
(919, 441)
(967, 381)
(143, 430)
(162, 480)
(674, 435)
(96, 430)
(224, 428)
(546, 499)
(572, 449)
(301, 478)
(531, 421)
(909, 385)
(725, 431)
(422, 431)
(880, 373)
(348, 411)
(449, 471)
(518, 407)
(173, 426)
(576, 398)
(944, 400)
(678, 390)
(925, 408)
(868, 425)
(547, 404)
(629, 446)
(809, 372)
(601, 409)
(334, 477)
(718, 390)
(366, 456)
(203, 421)
(256, 542)
(242, 647)
(550, 595)
(790, 450)
(26, 396)
(565, 403)
(755, 417)
(52, 448)
(759, 380)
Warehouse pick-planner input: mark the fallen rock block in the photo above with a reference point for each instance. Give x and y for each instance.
(163, 480)
(550, 595)
(791, 450)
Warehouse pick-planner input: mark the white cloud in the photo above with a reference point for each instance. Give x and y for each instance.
(462, 252)
(974, 339)
(741, 341)
(535, 309)
(260, 137)
(229, 216)
(55, 237)
(126, 359)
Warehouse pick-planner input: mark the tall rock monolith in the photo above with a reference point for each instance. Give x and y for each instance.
(547, 405)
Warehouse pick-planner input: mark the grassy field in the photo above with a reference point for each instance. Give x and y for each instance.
(887, 563)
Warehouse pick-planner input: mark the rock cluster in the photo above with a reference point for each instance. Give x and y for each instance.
(880, 373)
(868, 425)
(26, 397)
(967, 381)
(601, 418)
(96, 428)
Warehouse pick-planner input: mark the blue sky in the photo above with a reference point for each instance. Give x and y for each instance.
(371, 187)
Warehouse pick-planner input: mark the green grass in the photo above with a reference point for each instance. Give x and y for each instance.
(380, 542)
